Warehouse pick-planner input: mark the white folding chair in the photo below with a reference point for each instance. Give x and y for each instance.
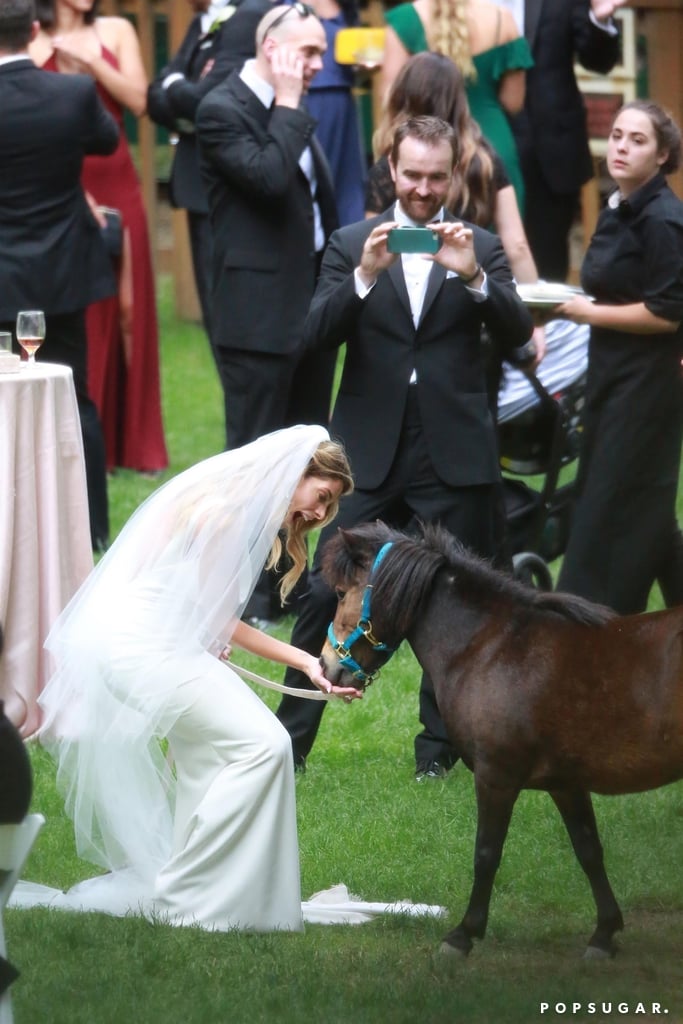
(15, 845)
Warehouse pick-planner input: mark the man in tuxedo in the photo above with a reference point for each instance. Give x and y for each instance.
(220, 37)
(52, 256)
(272, 206)
(412, 407)
(551, 132)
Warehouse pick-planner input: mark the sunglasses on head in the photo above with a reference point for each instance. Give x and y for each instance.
(303, 10)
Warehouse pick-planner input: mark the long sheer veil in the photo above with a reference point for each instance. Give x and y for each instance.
(171, 587)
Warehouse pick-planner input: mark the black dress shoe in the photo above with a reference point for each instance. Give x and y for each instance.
(430, 770)
(300, 765)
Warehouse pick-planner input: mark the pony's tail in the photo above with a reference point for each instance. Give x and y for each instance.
(574, 608)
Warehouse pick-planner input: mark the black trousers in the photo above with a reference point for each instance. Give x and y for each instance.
(411, 492)
(66, 343)
(265, 391)
(262, 393)
(548, 218)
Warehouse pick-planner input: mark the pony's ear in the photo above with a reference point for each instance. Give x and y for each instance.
(346, 540)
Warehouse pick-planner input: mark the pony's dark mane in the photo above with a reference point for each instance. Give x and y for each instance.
(408, 572)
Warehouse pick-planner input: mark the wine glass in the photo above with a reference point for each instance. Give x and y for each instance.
(31, 332)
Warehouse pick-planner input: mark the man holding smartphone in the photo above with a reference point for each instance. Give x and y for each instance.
(412, 407)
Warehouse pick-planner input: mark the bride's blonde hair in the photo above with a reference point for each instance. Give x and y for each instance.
(329, 461)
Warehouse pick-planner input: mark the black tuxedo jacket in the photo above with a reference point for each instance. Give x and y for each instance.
(51, 254)
(176, 107)
(262, 222)
(553, 123)
(384, 347)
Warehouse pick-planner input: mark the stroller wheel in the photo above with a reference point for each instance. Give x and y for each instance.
(530, 569)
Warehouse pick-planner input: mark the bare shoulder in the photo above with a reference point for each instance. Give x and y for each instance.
(508, 26)
(40, 48)
(489, 25)
(116, 32)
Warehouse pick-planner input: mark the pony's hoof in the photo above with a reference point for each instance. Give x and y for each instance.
(596, 953)
(453, 951)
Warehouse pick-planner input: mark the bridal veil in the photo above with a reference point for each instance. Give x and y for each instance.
(172, 586)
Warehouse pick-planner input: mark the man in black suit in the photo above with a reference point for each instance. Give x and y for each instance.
(551, 133)
(219, 39)
(412, 407)
(52, 256)
(271, 206)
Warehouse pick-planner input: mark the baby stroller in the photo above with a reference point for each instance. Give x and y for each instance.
(539, 427)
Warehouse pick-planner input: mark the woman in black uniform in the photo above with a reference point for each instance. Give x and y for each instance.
(625, 532)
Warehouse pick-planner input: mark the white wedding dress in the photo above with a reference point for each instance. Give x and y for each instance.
(179, 779)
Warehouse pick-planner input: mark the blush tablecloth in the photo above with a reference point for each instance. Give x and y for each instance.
(45, 550)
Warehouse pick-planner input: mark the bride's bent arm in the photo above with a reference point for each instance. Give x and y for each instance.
(264, 646)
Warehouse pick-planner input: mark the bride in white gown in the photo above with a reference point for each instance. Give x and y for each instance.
(179, 779)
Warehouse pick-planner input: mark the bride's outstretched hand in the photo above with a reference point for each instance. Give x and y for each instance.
(315, 673)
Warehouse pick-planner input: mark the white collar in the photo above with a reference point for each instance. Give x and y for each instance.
(258, 85)
(11, 57)
(215, 10)
(402, 218)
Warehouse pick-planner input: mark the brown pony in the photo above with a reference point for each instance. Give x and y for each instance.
(537, 690)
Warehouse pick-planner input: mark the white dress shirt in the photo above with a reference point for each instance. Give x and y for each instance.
(416, 270)
(213, 11)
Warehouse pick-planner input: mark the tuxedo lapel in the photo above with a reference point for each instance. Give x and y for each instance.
(194, 54)
(249, 99)
(532, 15)
(322, 168)
(437, 276)
(398, 280)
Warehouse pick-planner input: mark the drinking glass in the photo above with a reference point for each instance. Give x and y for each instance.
(31, 332)
(5, 341)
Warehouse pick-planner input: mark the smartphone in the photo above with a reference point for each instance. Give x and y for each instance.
(410, 239)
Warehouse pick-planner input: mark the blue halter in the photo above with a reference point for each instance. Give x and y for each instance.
(363, 629)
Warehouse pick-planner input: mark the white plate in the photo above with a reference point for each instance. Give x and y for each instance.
(545, 295)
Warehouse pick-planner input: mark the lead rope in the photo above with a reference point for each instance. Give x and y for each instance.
(270, 685)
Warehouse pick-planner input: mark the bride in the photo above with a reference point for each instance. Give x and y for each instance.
(178, 778)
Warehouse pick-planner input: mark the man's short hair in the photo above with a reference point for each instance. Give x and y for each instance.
(430, 130)
(16, 19)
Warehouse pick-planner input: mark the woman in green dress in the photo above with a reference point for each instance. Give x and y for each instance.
(483, 40)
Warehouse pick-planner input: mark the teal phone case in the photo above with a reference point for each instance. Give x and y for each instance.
(411, 240)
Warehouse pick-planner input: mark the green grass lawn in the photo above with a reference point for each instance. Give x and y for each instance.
(363, 821)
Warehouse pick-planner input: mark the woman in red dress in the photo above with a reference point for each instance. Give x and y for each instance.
(123, 341)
